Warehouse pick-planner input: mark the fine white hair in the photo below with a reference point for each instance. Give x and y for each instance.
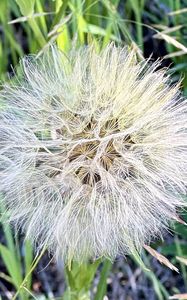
(92, 151)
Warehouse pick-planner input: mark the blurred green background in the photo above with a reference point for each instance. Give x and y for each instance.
(150, 27)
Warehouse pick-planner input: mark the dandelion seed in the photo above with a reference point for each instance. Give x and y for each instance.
(92, 152)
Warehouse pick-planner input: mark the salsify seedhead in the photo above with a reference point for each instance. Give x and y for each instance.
(92, 151)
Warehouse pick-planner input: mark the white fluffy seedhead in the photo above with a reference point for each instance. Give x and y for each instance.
(92, 151)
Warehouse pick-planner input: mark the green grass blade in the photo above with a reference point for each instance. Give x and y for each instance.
(12, 265)
(26, 7)
(60, 13)
(28, 258)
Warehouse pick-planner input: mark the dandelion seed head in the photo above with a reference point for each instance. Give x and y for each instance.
(92, 151)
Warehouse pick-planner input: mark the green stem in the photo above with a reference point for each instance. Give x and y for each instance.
(35, 262)
(102, 285)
